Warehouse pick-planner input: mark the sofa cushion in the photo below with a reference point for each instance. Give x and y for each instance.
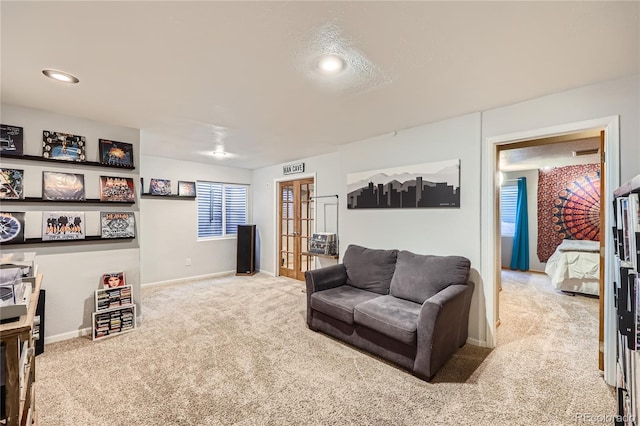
(418, 277)
(339, 302)
(370, 269)
(393, 317)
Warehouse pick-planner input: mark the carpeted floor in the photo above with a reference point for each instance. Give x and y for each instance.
(236, 351)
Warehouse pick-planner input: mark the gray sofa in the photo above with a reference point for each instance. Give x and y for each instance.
(410, 309)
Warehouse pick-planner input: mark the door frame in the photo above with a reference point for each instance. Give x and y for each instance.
(489, 227)
(276, 183)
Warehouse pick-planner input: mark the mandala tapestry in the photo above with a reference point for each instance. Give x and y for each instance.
(568, 206)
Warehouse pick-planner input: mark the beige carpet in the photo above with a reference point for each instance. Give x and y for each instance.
(236, 351)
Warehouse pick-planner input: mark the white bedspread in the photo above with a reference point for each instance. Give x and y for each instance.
(575, 266)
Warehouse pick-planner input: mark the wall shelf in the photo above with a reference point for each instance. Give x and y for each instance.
(172, 196)
(87, 239)
(86, 201)
(63, 162)
(326, 256)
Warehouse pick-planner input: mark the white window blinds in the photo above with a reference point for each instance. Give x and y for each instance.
(221, 208)
(508, 204)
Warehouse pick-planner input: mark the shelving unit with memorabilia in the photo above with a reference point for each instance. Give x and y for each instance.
(63, 188)
(161, 188)
(626, 234)
(115, 312)
(17, 338)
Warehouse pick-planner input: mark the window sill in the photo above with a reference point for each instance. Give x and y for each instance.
(226, 237)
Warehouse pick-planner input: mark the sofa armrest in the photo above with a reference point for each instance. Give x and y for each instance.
(323, 279)
(442, 328)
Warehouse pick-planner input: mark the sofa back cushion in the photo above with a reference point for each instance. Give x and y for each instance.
(418, 277)
(370, 269)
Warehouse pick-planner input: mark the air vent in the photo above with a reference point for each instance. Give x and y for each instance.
(586, 152)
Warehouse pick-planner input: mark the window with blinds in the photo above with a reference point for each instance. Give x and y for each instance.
(221, 208)
(508, 204)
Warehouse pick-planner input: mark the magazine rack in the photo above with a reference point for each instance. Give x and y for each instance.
(328, 256)
(115, 312)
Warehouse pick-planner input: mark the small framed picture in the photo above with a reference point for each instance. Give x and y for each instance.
(160, 187)
(57, 186)
(114, 153)
(113, 279)
(63, 146)
(12, 227)
(58, 226)
(11, 187)
(117, 189)
(117, 225)
(10, 140)
(186, 189)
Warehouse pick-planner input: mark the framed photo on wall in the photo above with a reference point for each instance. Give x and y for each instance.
(11, 187)
(160, 187)
(63, 146)
(12, 227)
(58, 226)
(186, 189)
(57, 186)
(117, 225)
(11, 140)
(114, 153)
(118, 189)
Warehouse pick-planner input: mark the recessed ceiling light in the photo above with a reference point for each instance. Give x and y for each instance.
(65, 77)
(331, 64)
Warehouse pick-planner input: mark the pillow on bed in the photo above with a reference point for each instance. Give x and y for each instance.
(579, 245)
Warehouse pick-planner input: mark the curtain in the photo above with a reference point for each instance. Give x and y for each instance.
(520, 254)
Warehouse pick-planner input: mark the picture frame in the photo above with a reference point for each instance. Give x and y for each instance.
(114, 153)
(12, 227)
(63, 146)
(11, 140)
(426, 185)
(113, 280)
(58, 226)
(117, 225)
(186, 188)
(58, 186)
(11, 184)
(117, 189)
(160, 186)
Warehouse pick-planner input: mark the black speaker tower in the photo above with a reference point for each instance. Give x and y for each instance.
(246, 256)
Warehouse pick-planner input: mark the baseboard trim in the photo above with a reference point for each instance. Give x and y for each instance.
(193, 278)
(476, 342)
(68, 335)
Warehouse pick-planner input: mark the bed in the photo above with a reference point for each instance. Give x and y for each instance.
(575, 267)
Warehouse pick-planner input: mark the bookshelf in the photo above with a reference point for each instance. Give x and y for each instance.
(115, 312)
(626, 233)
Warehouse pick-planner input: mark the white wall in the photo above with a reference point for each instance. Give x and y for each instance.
(446, 231)
(72, 271)
(615, 97)
(169, 226)
(325, 169)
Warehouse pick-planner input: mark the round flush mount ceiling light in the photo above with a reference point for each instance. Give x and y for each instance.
(219, 154)
(65, 77)
(331, 64)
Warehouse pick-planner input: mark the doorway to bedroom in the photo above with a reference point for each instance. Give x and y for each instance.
(548, 243)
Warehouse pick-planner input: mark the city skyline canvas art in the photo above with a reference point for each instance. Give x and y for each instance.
(426, 185)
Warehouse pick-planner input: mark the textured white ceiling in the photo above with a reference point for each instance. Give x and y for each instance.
(195, 75)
